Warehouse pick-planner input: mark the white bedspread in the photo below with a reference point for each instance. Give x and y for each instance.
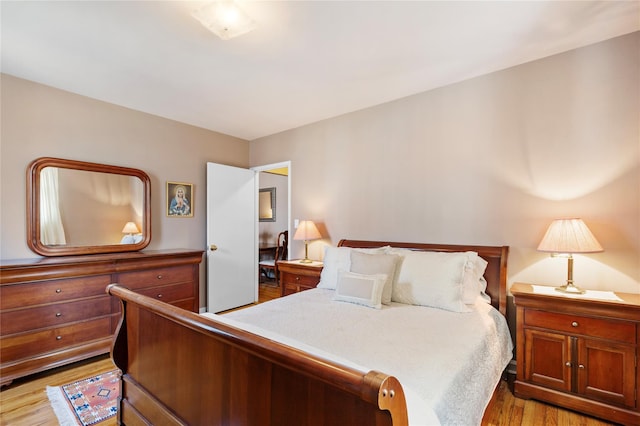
(448, 363)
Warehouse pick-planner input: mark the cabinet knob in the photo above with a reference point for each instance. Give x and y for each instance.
(574, 324)
(297, 278)
(581, 366)
(568, 364)
(160, 296)
(58, 290)
(58, 337)
(159, 277)
(58, 314)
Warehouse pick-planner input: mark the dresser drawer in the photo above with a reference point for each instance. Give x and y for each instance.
(610, 329)
(54, 339)
(169, 293)
(20, 320)
(37, 293)
(155, 277)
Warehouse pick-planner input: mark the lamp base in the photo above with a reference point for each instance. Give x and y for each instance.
(570, 289)
(306, 260)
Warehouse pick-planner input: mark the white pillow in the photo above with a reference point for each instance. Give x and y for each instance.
(431, 279)
(336, 258)
(369, 264)
(474, 283)
(360, 289)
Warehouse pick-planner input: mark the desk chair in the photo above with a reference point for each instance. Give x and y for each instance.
(268, 268)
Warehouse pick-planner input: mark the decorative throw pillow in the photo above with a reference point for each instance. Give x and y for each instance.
(432, 279)
(370, 264)
(360, 289)
(336, 258)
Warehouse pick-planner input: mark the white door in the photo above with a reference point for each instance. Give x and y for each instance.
(232, 267)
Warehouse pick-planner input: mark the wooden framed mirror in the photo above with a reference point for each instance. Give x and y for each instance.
(76, 207)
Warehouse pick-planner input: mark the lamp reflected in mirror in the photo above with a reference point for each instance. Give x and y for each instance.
(130, 229)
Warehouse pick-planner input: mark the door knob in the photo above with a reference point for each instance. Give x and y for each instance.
(213, 247)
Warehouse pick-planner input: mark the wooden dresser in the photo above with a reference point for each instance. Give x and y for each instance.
(579, 352)
(54, 311)
(296, 276)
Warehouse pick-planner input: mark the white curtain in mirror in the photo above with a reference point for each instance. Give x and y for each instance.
(51, 229)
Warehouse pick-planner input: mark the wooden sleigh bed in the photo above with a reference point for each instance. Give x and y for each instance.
(180, 368)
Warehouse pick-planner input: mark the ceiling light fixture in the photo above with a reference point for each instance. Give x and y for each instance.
(226, 19)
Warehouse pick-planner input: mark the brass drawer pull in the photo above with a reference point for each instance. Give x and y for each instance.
(574, 324)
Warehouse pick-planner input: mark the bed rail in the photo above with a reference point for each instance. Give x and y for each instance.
(185, 369)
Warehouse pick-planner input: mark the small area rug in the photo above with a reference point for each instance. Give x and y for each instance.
(86, 402)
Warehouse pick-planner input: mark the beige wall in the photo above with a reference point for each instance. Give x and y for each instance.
(41, 121)
(490, 160)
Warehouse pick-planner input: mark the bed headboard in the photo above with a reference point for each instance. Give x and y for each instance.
(496, 273)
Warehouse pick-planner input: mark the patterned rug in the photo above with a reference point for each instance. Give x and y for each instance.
(86, 402)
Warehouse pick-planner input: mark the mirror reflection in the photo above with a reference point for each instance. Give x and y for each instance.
(81, 207)
(85, 208)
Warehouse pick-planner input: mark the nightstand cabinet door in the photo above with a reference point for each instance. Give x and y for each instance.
(548, 359)
(605, 371)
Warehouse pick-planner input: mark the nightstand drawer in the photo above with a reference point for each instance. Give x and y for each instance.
(301, 280)
(610, 329)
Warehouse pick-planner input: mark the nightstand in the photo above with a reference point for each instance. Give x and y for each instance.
(579, 352)
(296, 276)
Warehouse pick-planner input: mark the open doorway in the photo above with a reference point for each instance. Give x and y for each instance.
(274, 212)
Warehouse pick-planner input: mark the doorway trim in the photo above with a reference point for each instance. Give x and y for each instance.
(265, 168)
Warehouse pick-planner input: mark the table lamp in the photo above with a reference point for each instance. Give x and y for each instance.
(565, 237)
(306, 231)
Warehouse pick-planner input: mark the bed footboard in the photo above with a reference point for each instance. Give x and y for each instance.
(184, 369)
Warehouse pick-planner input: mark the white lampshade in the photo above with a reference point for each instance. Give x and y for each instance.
(130, 228)
(307, 230)
(569, 236)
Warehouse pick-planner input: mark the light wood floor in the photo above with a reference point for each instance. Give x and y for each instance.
(25, 401)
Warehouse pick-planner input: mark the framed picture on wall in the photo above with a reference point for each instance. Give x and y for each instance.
(179, 199)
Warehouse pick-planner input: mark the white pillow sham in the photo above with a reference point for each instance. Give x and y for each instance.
(380, 263)
(431, 279)
(336, 258)
(361, 289)
(474, 283)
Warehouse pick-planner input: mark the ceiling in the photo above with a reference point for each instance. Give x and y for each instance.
(305, 61)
